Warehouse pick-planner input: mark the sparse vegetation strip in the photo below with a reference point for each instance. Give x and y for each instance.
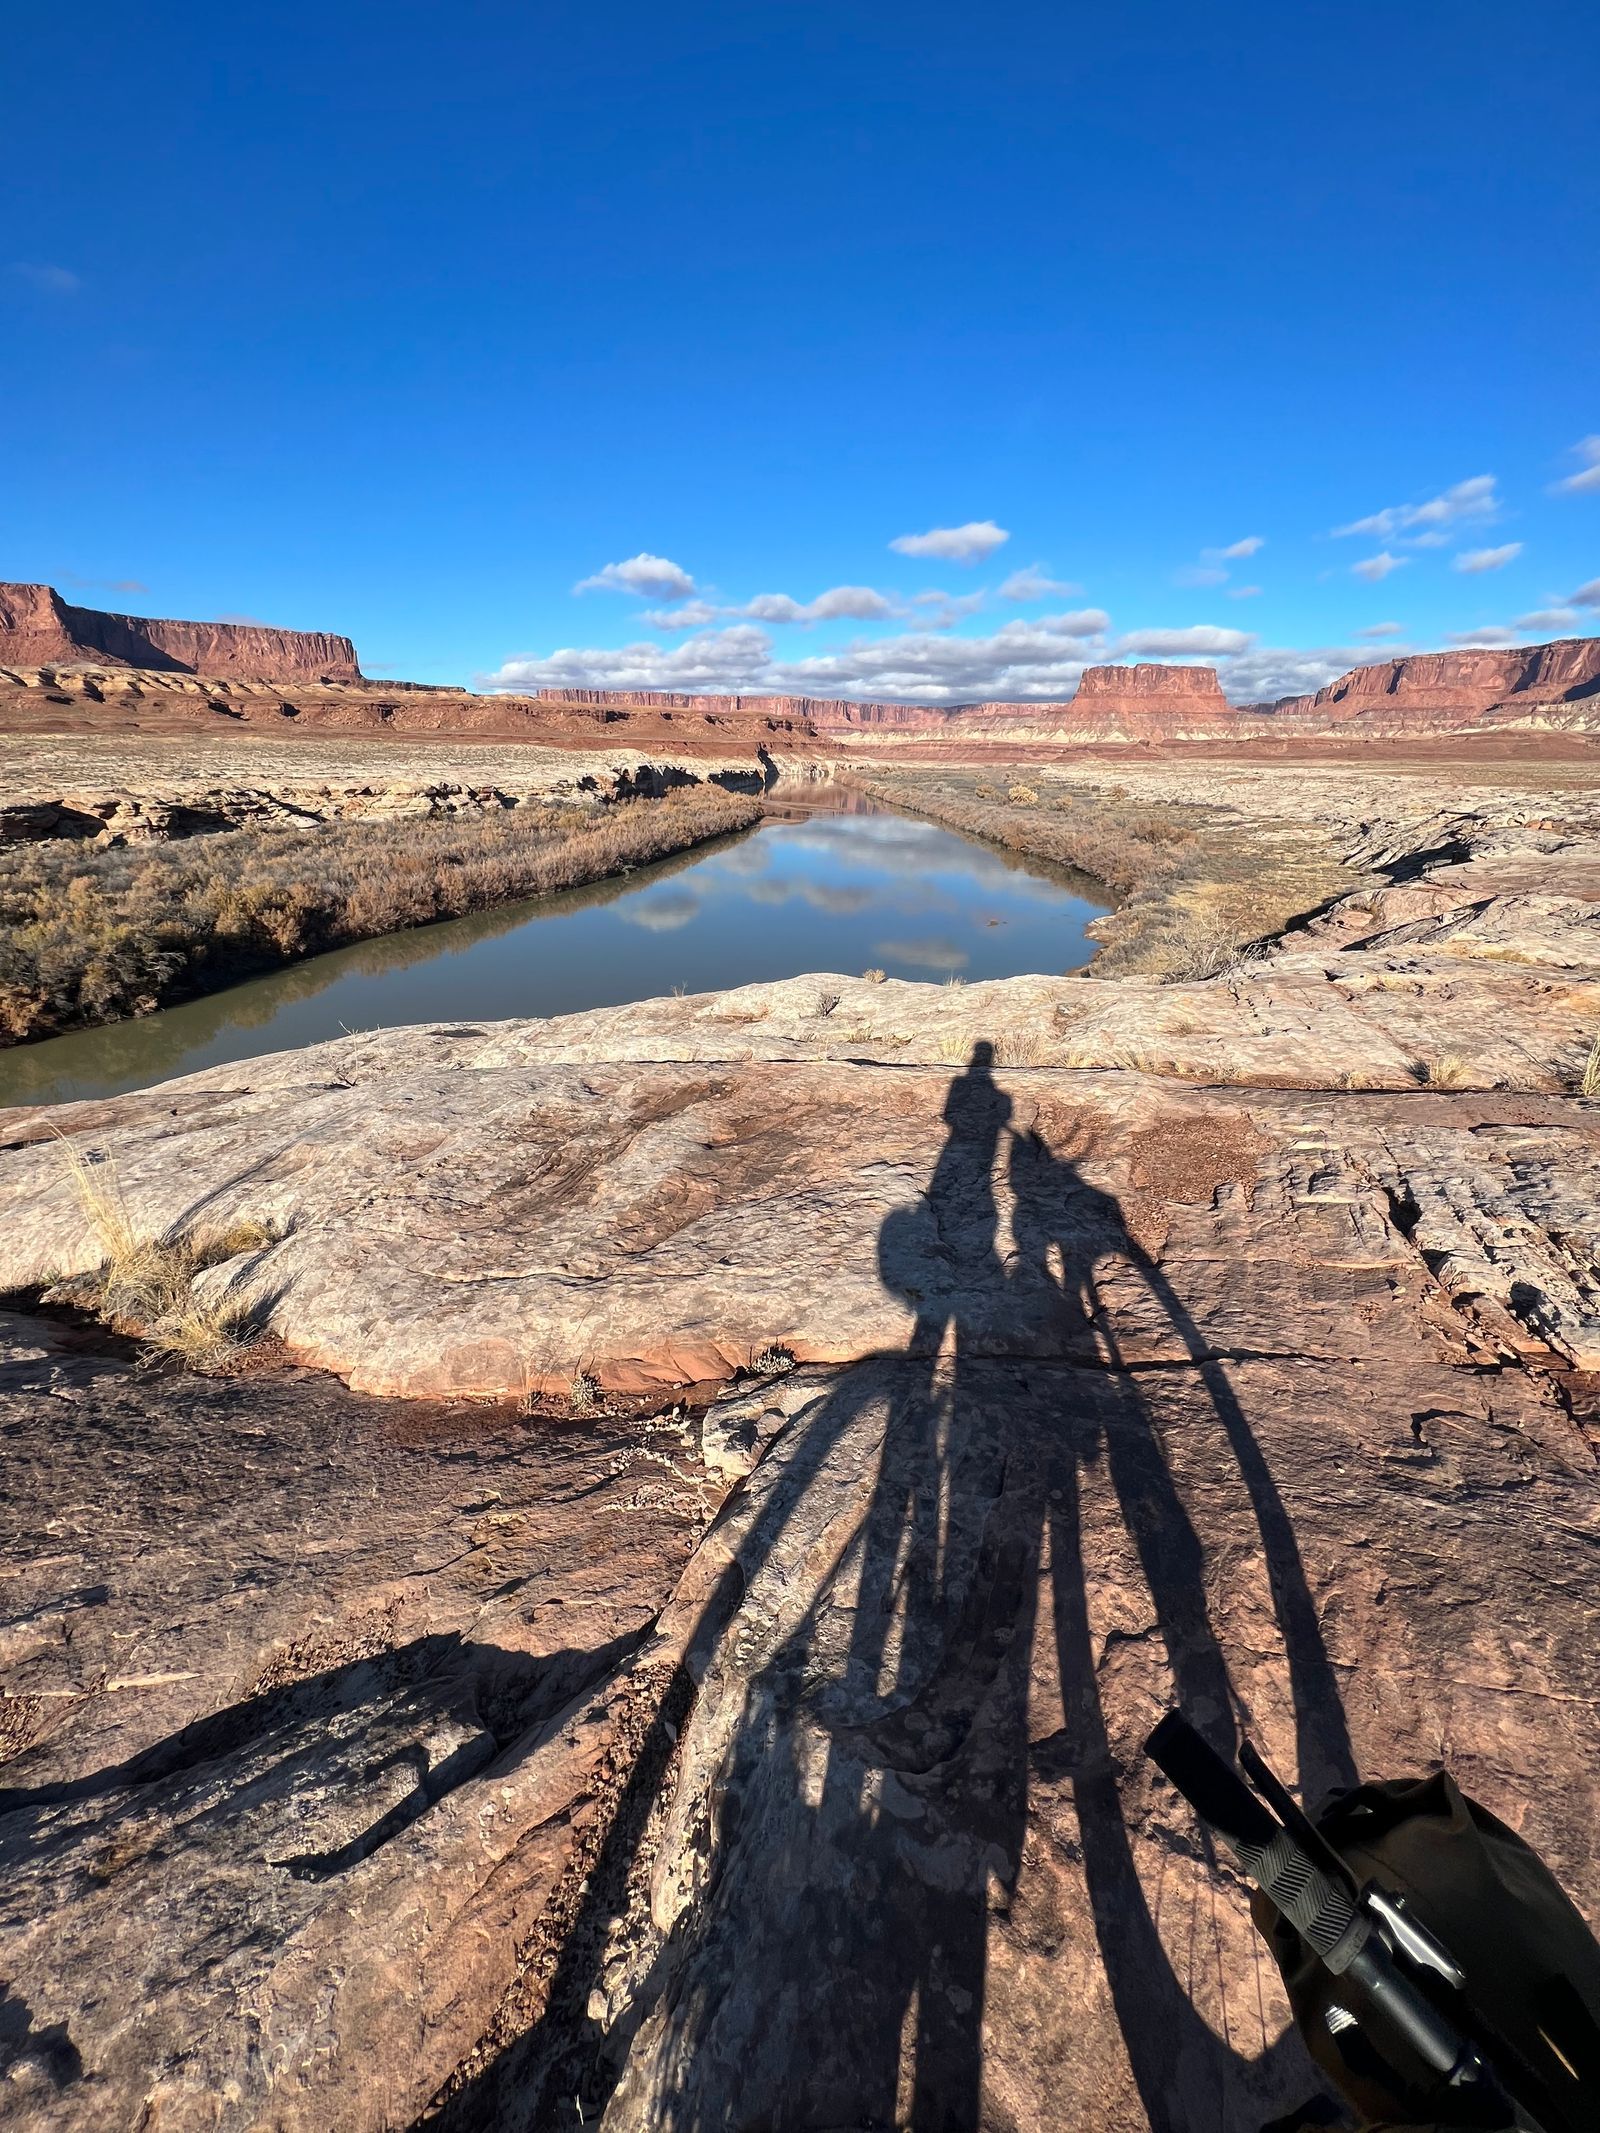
(1200, 885)
(90, 937)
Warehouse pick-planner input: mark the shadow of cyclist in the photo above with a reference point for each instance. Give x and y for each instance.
(870, 1808)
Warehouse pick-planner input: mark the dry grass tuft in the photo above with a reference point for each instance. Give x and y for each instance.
(1023, 1048)
(1446, 1072)
(145, 1285)
(874, 976)
(1589, 1079)
(774, 1361)
(1202, 936)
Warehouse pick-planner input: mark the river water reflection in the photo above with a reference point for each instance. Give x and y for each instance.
(811, 888)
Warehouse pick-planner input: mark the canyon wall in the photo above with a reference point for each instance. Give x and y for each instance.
(1455, 686)
(38, 628)
(1124, 701)
(824, 714)
(171, 673)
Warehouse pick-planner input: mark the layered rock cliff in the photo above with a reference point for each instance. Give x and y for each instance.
(826, 714)
(38, 628)
(1455, 687)
(1147, 701)
(110, 671)
(1151, 682)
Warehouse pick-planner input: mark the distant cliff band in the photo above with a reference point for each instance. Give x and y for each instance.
(1554, 686)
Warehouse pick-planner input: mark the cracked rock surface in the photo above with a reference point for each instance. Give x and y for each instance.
(376, 1763)
(305, 1700)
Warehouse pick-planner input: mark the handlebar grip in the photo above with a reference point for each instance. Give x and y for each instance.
(1319, 1908)
(1212, 1788)
(1320, 1911)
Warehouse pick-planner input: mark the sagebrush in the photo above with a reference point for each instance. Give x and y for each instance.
(88, 937)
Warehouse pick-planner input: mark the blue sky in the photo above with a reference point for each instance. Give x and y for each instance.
(407, 322)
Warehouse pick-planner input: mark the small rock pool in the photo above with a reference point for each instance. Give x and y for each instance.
(834, 883)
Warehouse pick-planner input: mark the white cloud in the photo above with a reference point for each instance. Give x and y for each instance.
(693, 615)
(1587, 477)
(1263, 675)
(774, 607)
(1036, 583)
(1245, 592)
(1586, 595)
(840, 603)
(1548, 618)
(52, 281)
(737, 659)
(1174, 644)
(1209, 570)
(114, 585)
(942, 610)
(1492, 637)
(642, 573)
(1474, 499)
(661, 913)
(932, 954)
(858, 603)
(1376, 567)
(1476, 560)
(1019, 661)
(954, 544)
(854, 603)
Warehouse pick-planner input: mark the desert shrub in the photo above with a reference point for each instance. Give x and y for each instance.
(583, 1394)
(88, 937)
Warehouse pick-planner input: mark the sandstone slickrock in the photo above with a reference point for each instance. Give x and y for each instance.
(305, 1703)
(113, 818)
(1231, 1393)
(39, 628)
(374, 1766)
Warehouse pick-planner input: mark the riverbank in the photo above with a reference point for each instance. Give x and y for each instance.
(88, 936)
(1241, 1332)
(1197, 884)
(828, 881)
